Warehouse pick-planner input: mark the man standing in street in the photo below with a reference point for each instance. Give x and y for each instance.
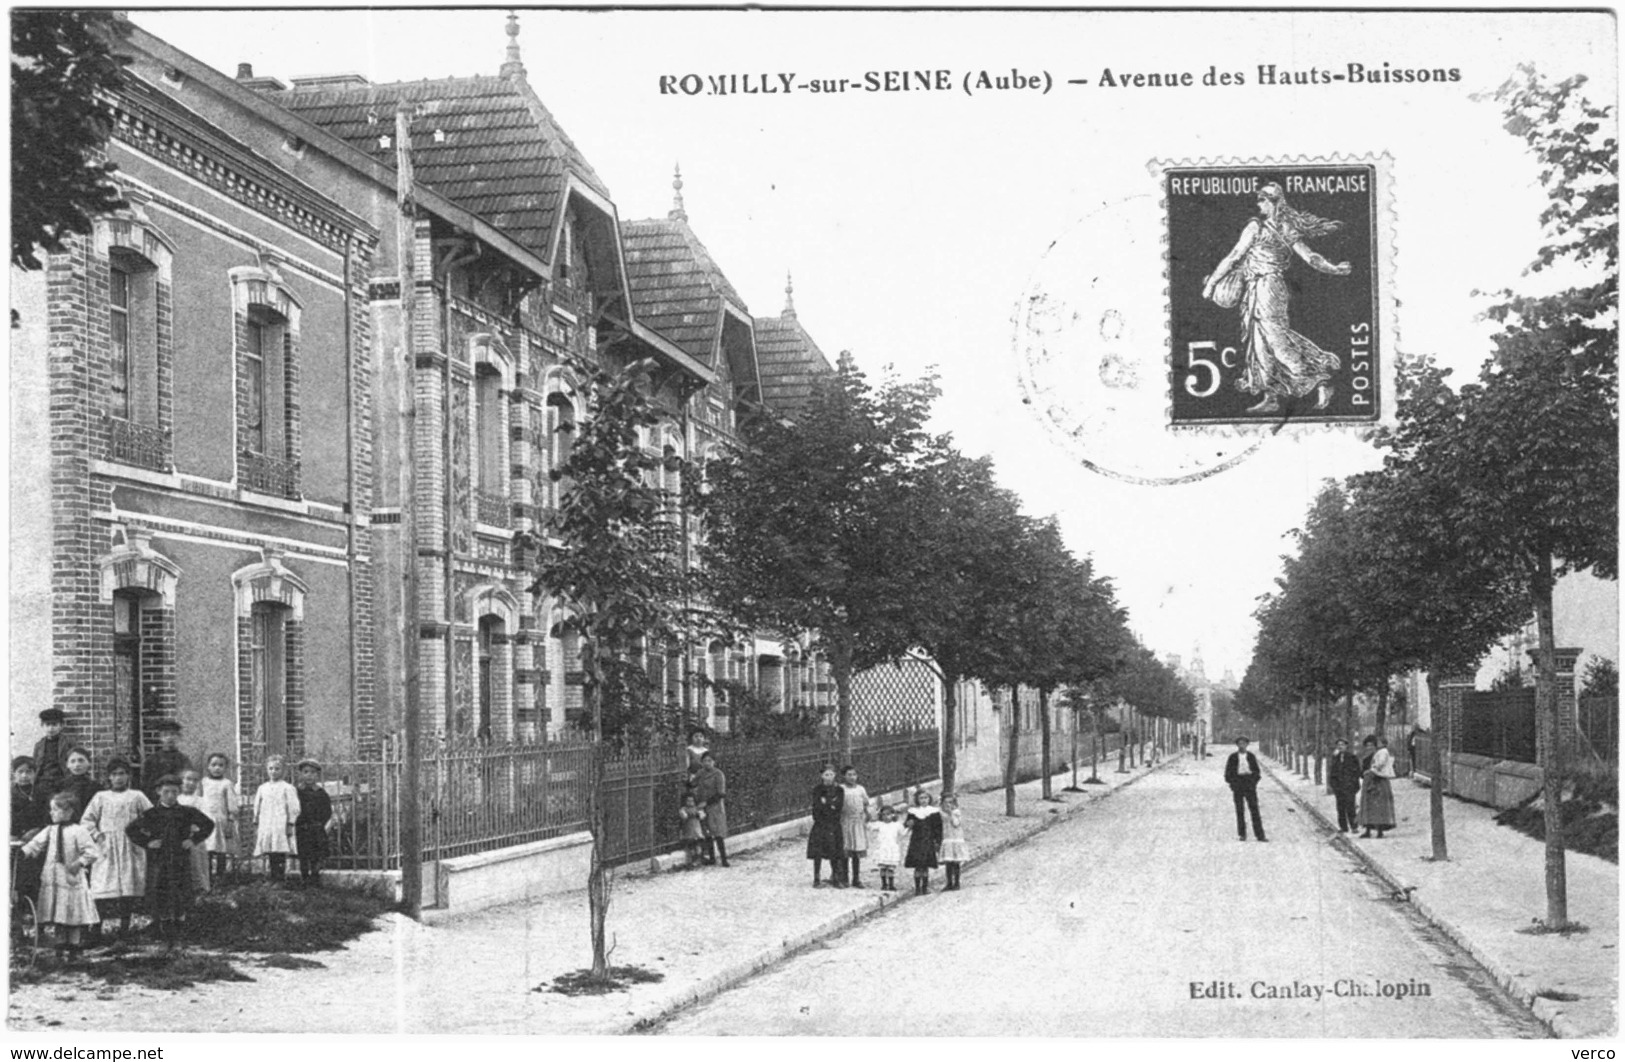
(1344, 778)
(1241, 774)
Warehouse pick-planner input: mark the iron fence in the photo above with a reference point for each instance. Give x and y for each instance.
(474, 796)
(1500, 725)
(1599, 722)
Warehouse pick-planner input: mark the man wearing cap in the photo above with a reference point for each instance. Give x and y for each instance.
(51, 754)
(168, 760)
(1241, 774)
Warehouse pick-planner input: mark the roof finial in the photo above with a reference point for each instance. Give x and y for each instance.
(846, 362)
(513, 67)
(677, 212)
(789, 295)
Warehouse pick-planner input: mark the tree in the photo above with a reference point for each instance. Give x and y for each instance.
(810, 523)
(971, 573)
(612, 564)
(1601, 678)
(1537, 444)
(62, 70)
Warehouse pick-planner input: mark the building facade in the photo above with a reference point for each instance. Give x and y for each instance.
(332, 312)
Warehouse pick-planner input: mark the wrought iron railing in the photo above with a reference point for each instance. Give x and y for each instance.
(491, 508)
(268, 475)
(142, 445)
(475, 795)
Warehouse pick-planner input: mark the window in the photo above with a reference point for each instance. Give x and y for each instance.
(132, 337)
(127, 675)
(491, 637)
(561, 418)
(268, 676)
(118, 311)
(264, 367)
(488, 430)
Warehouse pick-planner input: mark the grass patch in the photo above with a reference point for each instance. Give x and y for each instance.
(1590, 814)
(581, 983)
(274, 923)
(266, 919)
(166, 971)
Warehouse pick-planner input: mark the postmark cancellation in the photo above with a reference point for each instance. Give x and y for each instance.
(1279, 289)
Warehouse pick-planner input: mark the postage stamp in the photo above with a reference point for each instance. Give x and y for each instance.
(1278, 279)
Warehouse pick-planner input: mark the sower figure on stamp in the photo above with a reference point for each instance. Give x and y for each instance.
(1343, 775)
(1280, 363)
(1241, 774)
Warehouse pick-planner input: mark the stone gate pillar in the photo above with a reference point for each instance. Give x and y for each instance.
(1447, 722)
(1568, 705)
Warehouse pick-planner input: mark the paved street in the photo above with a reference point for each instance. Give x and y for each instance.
(1107, 926)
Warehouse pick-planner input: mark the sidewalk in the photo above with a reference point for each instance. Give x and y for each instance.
(1494, 886)
(703, 930)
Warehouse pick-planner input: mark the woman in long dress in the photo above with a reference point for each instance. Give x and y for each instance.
(824, 839)
(1280, 363)
(854, 822)
(1377, 795)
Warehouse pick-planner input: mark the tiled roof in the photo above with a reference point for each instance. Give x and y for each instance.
(677, 288)
(789, 360)
(498, 153)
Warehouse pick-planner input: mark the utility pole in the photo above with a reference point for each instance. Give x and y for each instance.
(405, 245)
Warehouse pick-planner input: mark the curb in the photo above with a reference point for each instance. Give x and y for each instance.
(719, 983)
(1548, 1012)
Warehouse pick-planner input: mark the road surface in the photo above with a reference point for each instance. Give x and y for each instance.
(1142, 916)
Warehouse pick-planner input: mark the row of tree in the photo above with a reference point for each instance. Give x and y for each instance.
(1488, 492)
(849, 524)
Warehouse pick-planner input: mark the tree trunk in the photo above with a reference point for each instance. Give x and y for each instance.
(1013, 729)
(950, 731)
(1549, 712)
(597, 875)
(840, 659)
(1436, 797)
(1094, 756)
(1043, 742)
(1382, 706)
(1122, 741)
(1320, 710)
(1075, 716)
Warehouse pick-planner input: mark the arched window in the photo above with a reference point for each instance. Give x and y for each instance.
(493, 641)
(268, 676)
(132, 331)
(561, 420)
(493, 472)
(267, 354)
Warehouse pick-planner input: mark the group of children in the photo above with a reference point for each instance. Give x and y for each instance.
(843, 833)
(89, 852)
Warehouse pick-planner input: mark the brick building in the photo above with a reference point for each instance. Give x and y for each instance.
(210, 442)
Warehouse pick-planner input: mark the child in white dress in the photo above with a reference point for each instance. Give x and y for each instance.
(886, 847)
(954, 850)
(220, 803)
(64, 892)
(119, 878)
(192, 797)
(276, 809)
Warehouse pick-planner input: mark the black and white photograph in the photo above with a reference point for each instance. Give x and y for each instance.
(882, 529)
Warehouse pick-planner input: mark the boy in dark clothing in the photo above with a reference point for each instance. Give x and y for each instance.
(168, 760)
(51, 754)
(30, 813)
(167, 833)
(310, 828)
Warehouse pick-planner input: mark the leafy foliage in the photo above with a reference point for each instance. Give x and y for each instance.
(62, 68)
(612, 560)
(1601, 678)
(810, 523)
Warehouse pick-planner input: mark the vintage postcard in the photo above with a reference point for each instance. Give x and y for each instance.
(811, 523)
